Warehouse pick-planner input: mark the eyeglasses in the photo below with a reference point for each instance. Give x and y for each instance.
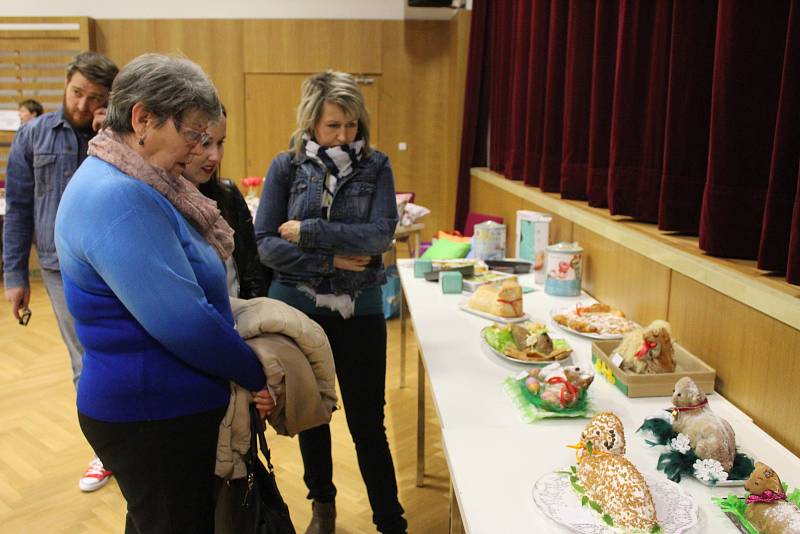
(25, 318)
(192, 137)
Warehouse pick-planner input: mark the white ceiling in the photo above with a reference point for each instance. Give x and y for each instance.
(223, 9)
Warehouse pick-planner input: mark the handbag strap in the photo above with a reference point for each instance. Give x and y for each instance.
(257, 432)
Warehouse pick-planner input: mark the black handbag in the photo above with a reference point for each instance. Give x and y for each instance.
(253, 505)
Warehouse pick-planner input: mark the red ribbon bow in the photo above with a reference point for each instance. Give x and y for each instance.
(646, 346)
(567, 390)
(767, 496)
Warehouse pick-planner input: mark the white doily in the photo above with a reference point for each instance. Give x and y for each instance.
(553, 494)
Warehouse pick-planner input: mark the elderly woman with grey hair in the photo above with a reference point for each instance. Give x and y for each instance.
(142, 255)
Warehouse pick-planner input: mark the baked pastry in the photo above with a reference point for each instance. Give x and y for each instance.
(710, 436)
(597, 318)
(648, 350)
(767, 508)
(503, 300)
(610, 480)
(532, 343)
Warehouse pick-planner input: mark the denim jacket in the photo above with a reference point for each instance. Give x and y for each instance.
(42, 159)
(362, 218)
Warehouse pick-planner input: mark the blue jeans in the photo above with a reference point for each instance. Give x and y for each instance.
(55, 290)
(359, 352)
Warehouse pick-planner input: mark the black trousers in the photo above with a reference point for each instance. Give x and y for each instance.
(359, 351)
(165, 469)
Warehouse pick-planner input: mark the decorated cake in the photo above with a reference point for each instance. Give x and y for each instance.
(767, 508)
(526, 342)
(551, 391)
(648, 350)
(700, 443)
(597, 318)
(503, 300)
(608, 482)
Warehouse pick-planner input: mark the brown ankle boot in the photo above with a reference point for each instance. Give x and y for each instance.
(323, 520)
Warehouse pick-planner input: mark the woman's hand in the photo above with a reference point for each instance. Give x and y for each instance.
(351, 263)
(290, 231)
(264, 402)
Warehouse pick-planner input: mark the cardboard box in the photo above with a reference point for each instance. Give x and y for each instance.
(655, 385)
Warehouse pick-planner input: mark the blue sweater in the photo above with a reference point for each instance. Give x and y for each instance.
(150, 303)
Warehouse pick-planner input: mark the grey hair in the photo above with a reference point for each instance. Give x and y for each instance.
(166, 86)
(337, 88)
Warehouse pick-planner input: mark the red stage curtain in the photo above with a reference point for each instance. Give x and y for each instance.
(678, 112)
(476, 110)
(604, 58)
(640, 96)
(577, 99)
(691, 62)
(782, 192)
(751, 38)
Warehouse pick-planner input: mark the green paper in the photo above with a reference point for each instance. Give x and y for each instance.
(443, 249)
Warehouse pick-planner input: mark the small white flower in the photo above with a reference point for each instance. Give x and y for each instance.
(710, 471)
(680, 443)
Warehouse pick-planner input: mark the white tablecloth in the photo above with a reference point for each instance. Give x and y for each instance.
(495, 458)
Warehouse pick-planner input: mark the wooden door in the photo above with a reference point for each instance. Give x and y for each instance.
(271, 114)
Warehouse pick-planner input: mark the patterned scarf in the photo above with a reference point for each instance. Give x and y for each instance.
(339, 161)
(200, 211)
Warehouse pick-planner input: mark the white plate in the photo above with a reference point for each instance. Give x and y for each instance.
(490, 350)
(675, 509)
(496, 318)
(592, 335)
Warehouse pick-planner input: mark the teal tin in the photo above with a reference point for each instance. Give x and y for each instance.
(451, 282)
(421, 267)
(564, 265)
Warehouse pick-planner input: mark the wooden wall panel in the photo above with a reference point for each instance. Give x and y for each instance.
(216, 45)
(756, 357)
(298, 46)
(271, 99)
(620, 277)
(485, 198)
(414, 110)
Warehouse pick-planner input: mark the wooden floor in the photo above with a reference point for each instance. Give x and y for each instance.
(42, 450)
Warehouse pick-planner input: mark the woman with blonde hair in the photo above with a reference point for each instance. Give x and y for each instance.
(327, 214)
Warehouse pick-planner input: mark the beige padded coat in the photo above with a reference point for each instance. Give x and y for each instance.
(298, 363)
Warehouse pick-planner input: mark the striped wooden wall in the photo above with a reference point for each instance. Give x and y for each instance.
(34, 53)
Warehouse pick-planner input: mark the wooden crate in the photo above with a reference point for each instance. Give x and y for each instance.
(655, 385)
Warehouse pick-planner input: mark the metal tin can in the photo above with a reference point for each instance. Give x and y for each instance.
(489, 241)
(564, 270)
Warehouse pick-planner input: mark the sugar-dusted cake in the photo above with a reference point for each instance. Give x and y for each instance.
(767, 508)
(610, 480)
(503, 300)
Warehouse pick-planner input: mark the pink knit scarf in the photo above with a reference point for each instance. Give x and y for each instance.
(200, 211)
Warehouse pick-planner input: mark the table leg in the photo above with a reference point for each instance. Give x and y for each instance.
(401, 296)
(456, 523)
(420, 422)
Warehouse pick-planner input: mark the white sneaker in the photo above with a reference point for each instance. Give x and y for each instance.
(95, 476)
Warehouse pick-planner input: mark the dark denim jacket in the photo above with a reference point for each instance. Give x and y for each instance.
(43, 157)
(361, 221)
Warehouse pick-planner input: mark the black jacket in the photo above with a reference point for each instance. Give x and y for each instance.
(254, 278)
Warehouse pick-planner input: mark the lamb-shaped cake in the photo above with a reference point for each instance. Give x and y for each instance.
(611, 480)
(767, 508)
(710, 436)
(648, 350)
